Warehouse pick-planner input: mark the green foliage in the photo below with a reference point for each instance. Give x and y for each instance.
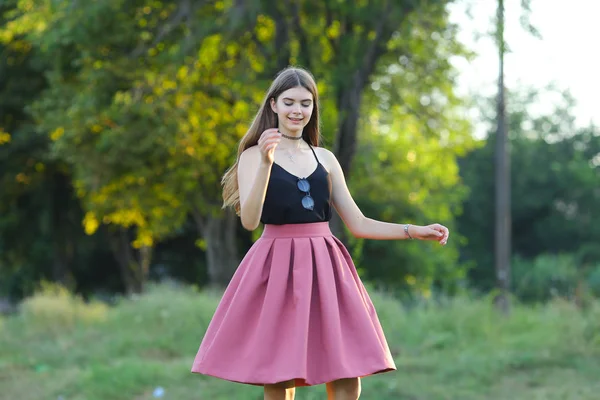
(53, 310)
(141, 117)
(132, 118)
(554, 188)
(594, 281)
(133, 115)
(458, 348)
(35, 195)
(548, 276)
(545, 277)
(406, 170)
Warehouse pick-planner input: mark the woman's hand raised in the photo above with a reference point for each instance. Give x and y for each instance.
(435, 232)
(267, 143)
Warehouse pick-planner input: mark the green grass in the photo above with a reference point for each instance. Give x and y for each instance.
(462, 349)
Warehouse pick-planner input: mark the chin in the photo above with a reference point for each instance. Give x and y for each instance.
(294, 129)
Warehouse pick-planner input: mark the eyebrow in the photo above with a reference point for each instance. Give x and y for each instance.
(287, 98)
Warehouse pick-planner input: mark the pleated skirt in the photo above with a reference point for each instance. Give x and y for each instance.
(295, 309)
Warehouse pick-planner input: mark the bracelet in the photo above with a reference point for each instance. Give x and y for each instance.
(406, 231)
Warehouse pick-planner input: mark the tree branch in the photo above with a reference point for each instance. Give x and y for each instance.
(377, 46)
(200, 222)
(304, 48)
(261, 47)
(328, 23)
(282, 38)
(183, 13)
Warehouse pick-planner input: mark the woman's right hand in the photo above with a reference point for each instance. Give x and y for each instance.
(267, 143)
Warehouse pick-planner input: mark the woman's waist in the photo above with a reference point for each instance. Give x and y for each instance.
(272, 231)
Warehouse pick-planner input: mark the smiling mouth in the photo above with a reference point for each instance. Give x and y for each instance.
(296, 119)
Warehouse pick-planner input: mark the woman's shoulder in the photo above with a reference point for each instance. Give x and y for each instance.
(250, 156)
(327, 158)
(322, 152)
(250, 153)
(325, 155)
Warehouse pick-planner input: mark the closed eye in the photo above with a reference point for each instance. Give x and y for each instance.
(289, 101)
(303, 104)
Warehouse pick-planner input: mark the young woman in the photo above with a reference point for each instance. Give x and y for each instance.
(296, 312)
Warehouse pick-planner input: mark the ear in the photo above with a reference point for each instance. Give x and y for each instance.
(273, 105)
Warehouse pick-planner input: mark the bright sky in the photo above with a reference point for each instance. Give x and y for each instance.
(567, 54)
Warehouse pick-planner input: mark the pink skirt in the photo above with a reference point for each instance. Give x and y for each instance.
(295, 309)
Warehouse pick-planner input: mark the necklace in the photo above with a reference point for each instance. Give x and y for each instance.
(290, 137)
(290, 154)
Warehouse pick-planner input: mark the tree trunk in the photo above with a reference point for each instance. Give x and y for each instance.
(503, 236)
(134, 272)
(62, 261)
(62, 235)
(143, 266)
(348, 110)
(349, 99)
(219, 233)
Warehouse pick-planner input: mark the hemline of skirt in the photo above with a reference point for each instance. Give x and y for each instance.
(298, 381)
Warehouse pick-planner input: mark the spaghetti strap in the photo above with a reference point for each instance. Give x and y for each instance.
(315, 154)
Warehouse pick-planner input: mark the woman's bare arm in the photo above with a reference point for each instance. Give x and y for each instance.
(254, 171)
(363, 227)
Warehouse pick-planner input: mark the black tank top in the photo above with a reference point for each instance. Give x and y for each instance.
(283, 201)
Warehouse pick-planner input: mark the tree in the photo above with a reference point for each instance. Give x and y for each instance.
(147, 127)
(554, 186)
(411, 135)
(38, 212)
(503, 225)
(143, 106)
(502, 168)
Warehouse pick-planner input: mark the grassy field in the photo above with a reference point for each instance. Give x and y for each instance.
(60, 348)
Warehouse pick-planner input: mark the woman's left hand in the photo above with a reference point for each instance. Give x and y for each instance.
(435, 232)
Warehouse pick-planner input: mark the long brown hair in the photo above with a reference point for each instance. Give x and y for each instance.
(288, 78)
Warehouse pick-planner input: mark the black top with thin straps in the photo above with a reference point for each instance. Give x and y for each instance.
(283, 201)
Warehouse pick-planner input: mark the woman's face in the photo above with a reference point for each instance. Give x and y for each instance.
(293, 108)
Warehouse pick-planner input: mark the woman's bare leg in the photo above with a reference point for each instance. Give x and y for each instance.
(280, 391)
(344, 389)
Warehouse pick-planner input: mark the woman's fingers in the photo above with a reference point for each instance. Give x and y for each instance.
(435, 232)
(268, 134)
(268, 144)
(269, 139)
(444, 233)
(440, 234)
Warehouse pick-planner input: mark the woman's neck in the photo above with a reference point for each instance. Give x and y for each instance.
(287, 144)
(291, 140)
(285, 131)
